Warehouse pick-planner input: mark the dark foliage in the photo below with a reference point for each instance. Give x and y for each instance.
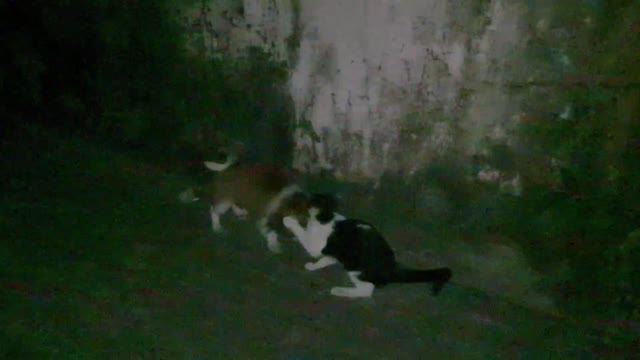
(121, 71)
(580, 208)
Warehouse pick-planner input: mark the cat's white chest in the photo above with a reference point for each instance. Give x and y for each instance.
(317, 235)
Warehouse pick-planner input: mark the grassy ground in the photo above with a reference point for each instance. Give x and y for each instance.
(100, 261)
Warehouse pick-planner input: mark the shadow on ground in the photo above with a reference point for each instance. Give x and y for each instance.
(101, 261)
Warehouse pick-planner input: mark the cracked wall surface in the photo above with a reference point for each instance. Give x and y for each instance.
(390, 85)
(387, 85)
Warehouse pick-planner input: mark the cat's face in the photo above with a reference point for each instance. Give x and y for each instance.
(317, 206)
(297, 206)
(324, 202)
(322, 207)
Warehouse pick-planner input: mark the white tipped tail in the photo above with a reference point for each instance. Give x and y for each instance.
(187, 196)
(218, 166)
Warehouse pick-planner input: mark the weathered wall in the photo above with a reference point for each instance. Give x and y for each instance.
(384, 85)
(230, 26)
(390, 85)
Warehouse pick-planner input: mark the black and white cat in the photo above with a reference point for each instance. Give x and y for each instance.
(359, 247)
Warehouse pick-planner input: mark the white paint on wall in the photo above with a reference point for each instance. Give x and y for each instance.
(389, 85)
(365, 64)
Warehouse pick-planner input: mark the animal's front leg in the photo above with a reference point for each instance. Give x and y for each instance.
(294, 226)
(239, 212)
(305, 237)
(216, 211)
(354, 292)
(270, 235)
(361, 289)
(321, 263)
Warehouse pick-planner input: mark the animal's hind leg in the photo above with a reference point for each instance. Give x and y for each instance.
(361, 289)
(216, 211)
(321, 263)
(238, 211)
(269, 234)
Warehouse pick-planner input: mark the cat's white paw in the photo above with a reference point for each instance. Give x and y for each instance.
(364, 290)
(242, 214)
(341, 291)
(289, 222)
(310, 266)
(217, 229)
(274, 248)
(272, 243)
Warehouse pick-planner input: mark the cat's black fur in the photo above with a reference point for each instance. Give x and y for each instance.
(359, 247)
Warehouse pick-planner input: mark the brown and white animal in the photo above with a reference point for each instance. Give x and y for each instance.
(265, 193)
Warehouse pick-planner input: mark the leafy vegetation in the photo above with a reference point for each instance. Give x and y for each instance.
(579, 214)
(293, 41)
(121, 71)
(584, 209)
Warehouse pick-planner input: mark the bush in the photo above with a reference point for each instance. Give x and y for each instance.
(581, 200)
(122, 71)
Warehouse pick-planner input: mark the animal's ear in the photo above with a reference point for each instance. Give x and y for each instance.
(324, 216)
(332, 202)
(327, 204)
(299, 197)
(324, 202)
(298, 202)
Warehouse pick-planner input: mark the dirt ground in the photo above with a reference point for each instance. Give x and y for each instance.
(100, 261)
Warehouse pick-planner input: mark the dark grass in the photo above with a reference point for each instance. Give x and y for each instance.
(100, 261)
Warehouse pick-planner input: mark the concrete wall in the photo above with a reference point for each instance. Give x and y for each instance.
(385, 85)
(391, 85)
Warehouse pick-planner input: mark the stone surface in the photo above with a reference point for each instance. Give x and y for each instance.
(386, 85)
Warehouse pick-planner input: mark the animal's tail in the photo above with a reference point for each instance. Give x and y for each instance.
(188, 196)
(439, 277)
(231, 159)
